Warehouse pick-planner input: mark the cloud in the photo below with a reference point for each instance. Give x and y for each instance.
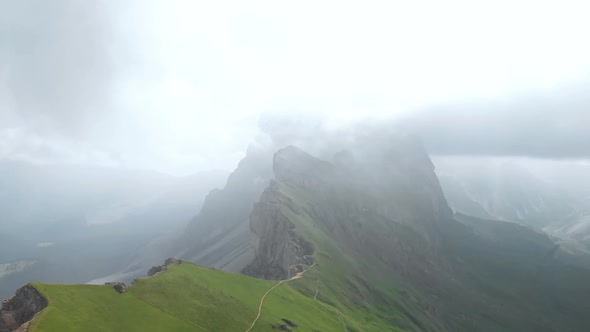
(20, 144)
(178, 86)
(56, 63)
(546, 124)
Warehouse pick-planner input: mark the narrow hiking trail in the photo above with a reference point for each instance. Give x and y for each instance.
(295, 277)
(340, 315)
(317, 289)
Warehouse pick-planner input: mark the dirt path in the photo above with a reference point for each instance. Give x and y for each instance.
(295, 277)
(261, 303)
(317, 290)
(340, 315)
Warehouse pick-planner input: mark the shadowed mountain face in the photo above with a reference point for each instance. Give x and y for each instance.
(218, 236)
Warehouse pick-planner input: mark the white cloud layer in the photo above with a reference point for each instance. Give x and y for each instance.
(178, 86)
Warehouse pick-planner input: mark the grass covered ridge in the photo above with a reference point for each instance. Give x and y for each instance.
(186, 297)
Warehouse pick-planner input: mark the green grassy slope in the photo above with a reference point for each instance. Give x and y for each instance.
(352, 262)
(186, 297)
(483, 275)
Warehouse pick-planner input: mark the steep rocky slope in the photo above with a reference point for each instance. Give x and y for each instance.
(18, 310)
(280, 253)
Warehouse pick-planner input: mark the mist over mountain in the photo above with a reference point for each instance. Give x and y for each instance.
(539, 123)
(551, 198)
(74, 224)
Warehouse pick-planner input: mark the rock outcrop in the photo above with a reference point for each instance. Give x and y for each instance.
(280, 252)
(159, 268)
(120, 287)
(20, 309)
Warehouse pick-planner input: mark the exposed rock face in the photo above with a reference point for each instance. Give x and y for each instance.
(280, 252)
(120, 287)
(172, 261)
(155, 269)
(281, 327)
(289, 322)
(21, 308)
(169, 261)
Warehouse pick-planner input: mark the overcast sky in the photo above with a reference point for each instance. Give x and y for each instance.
(178, 86)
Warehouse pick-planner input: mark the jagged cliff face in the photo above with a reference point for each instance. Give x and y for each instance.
(280, 252)
(395, 183)
(20, 309)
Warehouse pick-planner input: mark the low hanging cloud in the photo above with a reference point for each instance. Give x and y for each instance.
(56, 67)
(554, 124)
(178, 86)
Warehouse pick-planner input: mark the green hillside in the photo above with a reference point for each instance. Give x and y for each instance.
(188, 297)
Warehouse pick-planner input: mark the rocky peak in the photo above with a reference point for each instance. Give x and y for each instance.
(396, 169)
(296, 167)
(280, 253)
(160, 268)
(394, 180)
(17, 311)
(399, 168)
(120, 287)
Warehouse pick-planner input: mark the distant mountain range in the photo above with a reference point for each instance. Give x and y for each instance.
(357, 237)
(559, 205)
(72, 224)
